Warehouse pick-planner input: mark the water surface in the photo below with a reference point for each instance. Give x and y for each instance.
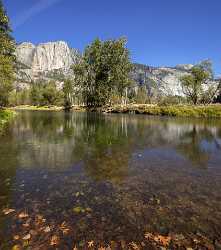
(74, 178)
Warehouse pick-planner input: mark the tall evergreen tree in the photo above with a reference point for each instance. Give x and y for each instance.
(7, 57)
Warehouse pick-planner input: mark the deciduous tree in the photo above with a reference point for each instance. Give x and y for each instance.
(192, 84)
(103, 70)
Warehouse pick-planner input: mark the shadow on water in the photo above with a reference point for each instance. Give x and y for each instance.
(86, 176)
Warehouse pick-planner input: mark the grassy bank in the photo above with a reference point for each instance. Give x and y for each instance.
(209, 111)
(5, 116)
(39, 108)
(46, 108)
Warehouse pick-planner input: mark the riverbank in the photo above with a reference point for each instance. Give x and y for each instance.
(38, 108)
(5, 116)
(47, 108)
(209, 111)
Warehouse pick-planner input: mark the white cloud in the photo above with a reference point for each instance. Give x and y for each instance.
(40, 6)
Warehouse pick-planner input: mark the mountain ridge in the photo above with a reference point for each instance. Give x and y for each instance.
(53, 60)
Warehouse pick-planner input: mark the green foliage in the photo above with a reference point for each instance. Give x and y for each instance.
(103, 70)
(207, 66)
(42, 94)
(21, 97)
(50, 93)
(5, 116)
(171, 100)
(192, 84)
(141, 95)
(209, 111)
(7, 58)
(68, 93)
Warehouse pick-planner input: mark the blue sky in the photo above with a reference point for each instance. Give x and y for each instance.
(159, 32)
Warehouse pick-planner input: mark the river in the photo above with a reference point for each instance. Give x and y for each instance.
(87, 179)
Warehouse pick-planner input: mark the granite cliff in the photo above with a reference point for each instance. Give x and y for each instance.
(44, 61)
(53, 60)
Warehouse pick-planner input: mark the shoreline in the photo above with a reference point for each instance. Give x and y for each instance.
(199, 111)
(5, 116)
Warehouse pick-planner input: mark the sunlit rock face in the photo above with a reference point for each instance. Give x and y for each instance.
(25, 53)
(51, 56)
(43, 60)
(46, 56)
(166, 78)
(53, 61)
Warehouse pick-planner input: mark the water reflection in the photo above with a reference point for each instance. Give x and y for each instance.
(129, 174)
(104, 143)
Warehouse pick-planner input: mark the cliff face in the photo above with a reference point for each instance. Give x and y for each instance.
(167, 79)
(43, 60)
(46, 56)
(53, 60)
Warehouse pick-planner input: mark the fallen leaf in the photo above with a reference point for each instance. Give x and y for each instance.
(64, 228)
(7, 211)
(91, 243)
(27, 237)
(88, 209)
(54, 240)
(164, 240)
(23, 215)
(77, 209)
(148, 236)
(47, 229)
(16, 237)
(16, 247)
(26, 225)
(134, 246)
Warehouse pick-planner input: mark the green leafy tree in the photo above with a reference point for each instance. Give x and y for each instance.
(68, 93)
(192, 84)
(7, 58)
(103, 71)
(199, 86)
(50, 93)
(46, 93)
(36, 94)
(207, 66)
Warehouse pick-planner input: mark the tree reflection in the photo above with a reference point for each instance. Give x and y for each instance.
(105, 144)
(8, 167)
(192, 145)
(104, 149)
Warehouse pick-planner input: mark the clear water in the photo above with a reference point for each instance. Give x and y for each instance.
(108, 178)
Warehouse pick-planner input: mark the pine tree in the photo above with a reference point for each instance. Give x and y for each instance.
(7, 57)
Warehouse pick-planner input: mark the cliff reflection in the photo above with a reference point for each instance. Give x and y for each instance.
(104, 144)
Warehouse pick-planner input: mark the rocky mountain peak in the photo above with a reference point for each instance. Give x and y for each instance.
(45, 57)
(53, 60)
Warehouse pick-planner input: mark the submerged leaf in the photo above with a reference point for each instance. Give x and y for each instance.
(91, 243)
(7, 211)
(54, 240)
(164, 240)
(27, 237)
(16, 237)
(16, 247)
(78, 209)
(47, 229)
(23, 215)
